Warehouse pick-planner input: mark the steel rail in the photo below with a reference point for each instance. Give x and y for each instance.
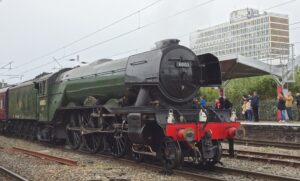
(192, 171)
(186, 172)
(265, 154)
(266, 160)
(266, 176)
(268, 143)
(12, 174)
(46, 156)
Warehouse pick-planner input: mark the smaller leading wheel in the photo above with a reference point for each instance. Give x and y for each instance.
(216, 158)
(170, 154)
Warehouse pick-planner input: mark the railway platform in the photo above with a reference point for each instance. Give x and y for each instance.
(288, 132)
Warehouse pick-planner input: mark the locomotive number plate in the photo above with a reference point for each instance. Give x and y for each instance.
(183, 64)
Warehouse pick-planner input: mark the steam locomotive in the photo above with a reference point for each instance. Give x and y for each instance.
(139, 105)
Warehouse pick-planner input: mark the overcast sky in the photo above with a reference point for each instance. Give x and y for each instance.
(34, 28)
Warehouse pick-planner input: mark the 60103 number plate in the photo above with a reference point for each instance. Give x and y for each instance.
(183, 64)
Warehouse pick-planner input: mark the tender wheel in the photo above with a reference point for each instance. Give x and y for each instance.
(20, 129)
(94, 142)
(27, 130)
(33, 131)
(119, 144)
(170, 154)
(73, 137)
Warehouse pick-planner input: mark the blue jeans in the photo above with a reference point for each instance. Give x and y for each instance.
(249, 115)
(289, 113)
(282, 114)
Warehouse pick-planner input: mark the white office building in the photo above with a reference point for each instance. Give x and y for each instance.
(263, 36)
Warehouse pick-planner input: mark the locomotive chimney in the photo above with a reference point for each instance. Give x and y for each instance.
(166, 42)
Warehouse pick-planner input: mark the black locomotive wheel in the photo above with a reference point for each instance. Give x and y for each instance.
(170, 154)
(119, 144)
(73, 137)
(217, 157)
(20, 129)
(26, 129)
(209, 164)
(94, 142)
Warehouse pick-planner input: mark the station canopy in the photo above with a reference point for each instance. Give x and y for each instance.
(238, 66)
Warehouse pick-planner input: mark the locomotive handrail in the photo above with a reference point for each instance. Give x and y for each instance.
(96, 74)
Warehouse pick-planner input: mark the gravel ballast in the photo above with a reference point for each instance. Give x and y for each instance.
(93, 167)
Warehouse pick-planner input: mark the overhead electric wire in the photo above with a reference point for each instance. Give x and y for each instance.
(294, 23)
(278, 5)
(90, 34)
(121, 35)
(122, 53)
(4, 66)
(141, 27)
(84, 49)
(295, 28)
(281, 4)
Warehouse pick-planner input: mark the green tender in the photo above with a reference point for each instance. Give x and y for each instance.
(23, 102)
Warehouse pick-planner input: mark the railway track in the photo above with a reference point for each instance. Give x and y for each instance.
(46, 156)
(255, 175)
(7, 174)
(267, 143)
(272, 158)
(186, 172)
(189, 171)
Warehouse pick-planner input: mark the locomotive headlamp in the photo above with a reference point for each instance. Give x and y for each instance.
(188, 134)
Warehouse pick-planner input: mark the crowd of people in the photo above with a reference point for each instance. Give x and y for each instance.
(220, 103)
(285, 105)
(250, 105)
(223, 103)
